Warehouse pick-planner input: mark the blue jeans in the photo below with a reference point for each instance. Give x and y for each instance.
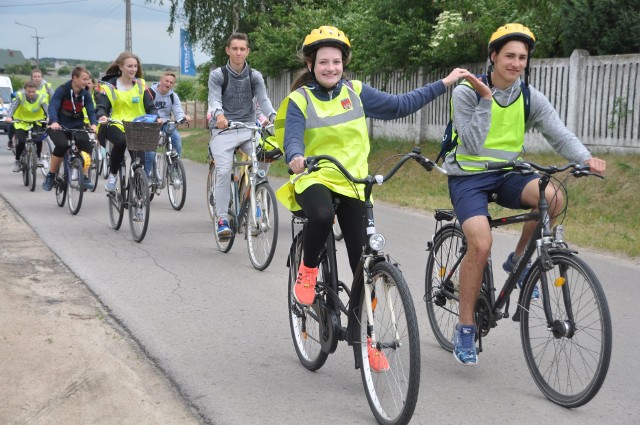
(149, 157)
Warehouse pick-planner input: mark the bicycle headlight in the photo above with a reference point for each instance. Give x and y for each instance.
(377, 241)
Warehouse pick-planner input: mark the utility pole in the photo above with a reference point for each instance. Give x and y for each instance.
(127, 40)
(37, 42)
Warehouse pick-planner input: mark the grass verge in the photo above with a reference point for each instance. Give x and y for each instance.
(602, 214)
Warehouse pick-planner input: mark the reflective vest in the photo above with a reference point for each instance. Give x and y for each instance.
(46, 89)
(125, 105)
(504, 142)
(29, 111)
(336, 127)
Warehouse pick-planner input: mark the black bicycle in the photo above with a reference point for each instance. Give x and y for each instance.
(379, 309)
(29, 157)
(133, 193)
(69, 182)
(565, 330)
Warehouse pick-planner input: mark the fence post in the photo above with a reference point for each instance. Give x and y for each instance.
(575, 101)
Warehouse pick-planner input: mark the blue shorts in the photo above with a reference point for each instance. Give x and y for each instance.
(470, 194)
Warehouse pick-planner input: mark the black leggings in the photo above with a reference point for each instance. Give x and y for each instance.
(21, 137)
(119, 141)
(61, 142)
(317, 204)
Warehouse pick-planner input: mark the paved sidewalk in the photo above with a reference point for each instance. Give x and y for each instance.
(62, 360)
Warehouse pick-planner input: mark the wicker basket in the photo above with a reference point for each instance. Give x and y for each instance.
(142, 136)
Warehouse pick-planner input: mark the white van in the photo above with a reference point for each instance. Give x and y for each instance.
(5, 93)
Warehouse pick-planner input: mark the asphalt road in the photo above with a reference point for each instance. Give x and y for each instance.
(219, 329)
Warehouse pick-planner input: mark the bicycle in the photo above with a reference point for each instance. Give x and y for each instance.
(133, 193)
(97, 165)
(565, 332)
(379, 308)
(45, 155)
(253, 206)
(69, 179)
(29, 156)
(168, 169)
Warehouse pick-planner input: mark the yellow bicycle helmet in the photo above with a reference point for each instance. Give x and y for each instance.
(510, 32)
(326, 36)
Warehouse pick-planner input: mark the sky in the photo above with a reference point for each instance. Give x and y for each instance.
(91, 30)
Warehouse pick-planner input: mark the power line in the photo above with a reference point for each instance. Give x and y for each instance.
(43, 4)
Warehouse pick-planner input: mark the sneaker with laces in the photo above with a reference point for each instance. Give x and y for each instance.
(47, 184)
(377, 360)
(510, 264)
(305, 288)
(10, 145)
(17, 166)
(111, 183)
(464, 345)
(222, 229)
(139, 215)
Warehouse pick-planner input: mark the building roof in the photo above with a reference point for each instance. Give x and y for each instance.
(10, 57)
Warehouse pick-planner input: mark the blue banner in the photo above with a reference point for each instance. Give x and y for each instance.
(187, 64)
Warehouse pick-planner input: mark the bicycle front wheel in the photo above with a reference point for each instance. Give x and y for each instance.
(32, 167)
(176, 184)
(45, 155)
(306, 330)
(139, 204)
(262, 233)
(392, 389)
(106, 162)
(442, 282)
(24, 163)
(211, 184)
(569, 357)
(224, 244)
(116, 200)
(75, 185)
(61, 185)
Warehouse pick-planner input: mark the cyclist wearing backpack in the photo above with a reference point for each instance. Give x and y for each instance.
(491, 127)
(232, 89)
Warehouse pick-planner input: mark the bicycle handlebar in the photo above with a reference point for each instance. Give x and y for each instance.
(527, 167)
(312, 164)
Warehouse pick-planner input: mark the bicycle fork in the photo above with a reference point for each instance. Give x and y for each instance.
(371, 305)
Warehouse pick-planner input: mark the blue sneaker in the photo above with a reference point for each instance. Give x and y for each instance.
(464, 345)
(508, 265)
(47, 184)
(112, 180)
(222, 229)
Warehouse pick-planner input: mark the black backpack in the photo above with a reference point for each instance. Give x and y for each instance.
(449, 142)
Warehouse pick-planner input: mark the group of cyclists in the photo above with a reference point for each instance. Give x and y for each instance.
(325, 113)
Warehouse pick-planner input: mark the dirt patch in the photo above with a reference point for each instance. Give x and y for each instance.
(62, 360)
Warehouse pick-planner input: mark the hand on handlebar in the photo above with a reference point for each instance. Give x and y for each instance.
(597, 165)
(297, 164)
(55, 126)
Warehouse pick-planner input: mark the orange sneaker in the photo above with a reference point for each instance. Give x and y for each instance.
(305, 287)
(377, 360)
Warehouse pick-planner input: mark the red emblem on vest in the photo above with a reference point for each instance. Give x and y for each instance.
(346, 103)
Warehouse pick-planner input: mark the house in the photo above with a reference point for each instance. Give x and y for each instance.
(10, 57)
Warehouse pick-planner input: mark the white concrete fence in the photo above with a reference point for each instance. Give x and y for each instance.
(598, 97)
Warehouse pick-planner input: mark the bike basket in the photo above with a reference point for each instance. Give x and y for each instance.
(142, 136)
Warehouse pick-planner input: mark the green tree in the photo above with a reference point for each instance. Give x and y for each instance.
(187, 88)
(603, 27)
(65, 70)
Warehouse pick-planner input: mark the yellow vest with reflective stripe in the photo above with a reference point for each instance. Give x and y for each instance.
(505, 140)
(29, 111)
(44, 90)
(336, 127)
(126, 105)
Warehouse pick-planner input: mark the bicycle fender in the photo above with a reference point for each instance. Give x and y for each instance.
(357, 289)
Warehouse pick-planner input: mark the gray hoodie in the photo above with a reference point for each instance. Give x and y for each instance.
(167, 103)
(472, 120)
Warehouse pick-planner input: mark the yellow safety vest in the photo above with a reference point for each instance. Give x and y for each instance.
(126, 105)
(504, 142)
(45, 90)
(29, 111)
(336, 127)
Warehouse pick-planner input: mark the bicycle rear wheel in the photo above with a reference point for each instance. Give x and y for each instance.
(94, 168)
(263, 236)
(45, 155)
(139, 204)
(392, 393)
(75, 185)
(176, 184)
(224, 244)
(442, 282)
(61, 185)
(304, 321)
(569, 361)
(32, 167)
(116, 200)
